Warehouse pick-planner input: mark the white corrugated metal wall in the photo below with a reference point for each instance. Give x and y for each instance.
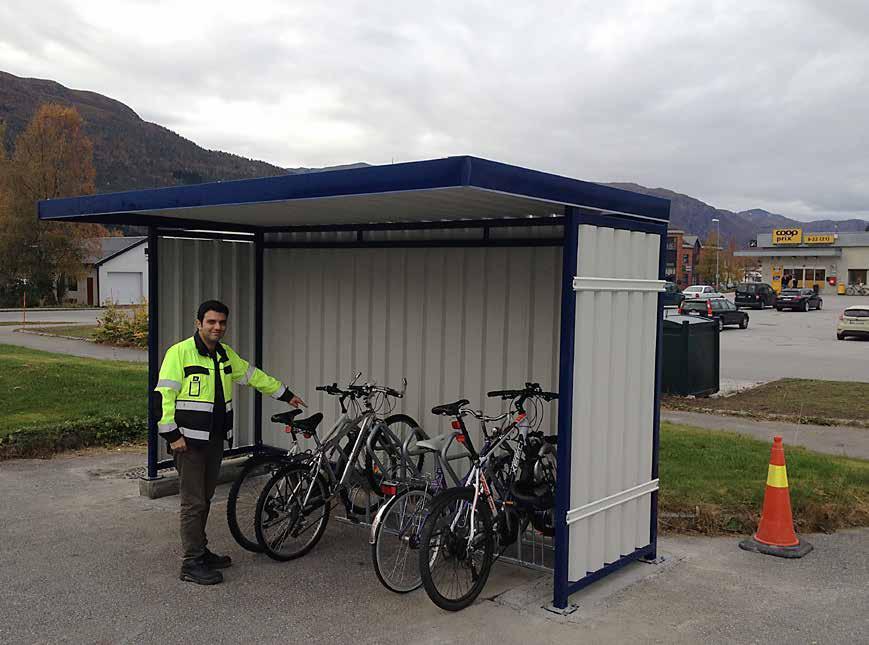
(192, 271)
(456, 322)
(614, 391)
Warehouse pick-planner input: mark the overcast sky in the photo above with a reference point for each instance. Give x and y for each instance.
(761, 104)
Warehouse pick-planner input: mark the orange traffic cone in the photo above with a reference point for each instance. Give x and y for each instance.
(775, 534)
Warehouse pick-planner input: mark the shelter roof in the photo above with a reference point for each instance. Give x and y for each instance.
(449, 189)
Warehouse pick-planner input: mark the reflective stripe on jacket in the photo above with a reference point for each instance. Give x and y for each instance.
(187, 387)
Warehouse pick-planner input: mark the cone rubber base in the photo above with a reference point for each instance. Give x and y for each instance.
(798, 551)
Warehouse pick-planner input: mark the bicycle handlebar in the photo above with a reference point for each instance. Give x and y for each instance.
(355, 391)
(530, 390)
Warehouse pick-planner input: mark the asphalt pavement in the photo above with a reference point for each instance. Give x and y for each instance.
(83, 558)
(9, 335)
(796, 344)
(75, 316)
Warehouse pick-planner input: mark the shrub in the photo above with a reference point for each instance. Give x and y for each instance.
(45, 440)
(128, 328)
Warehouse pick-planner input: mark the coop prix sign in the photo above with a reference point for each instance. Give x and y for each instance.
(783, 236)
(787, 236)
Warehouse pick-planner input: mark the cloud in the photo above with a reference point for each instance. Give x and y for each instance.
(738, 105)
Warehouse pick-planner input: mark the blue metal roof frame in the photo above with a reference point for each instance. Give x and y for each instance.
(454, 188)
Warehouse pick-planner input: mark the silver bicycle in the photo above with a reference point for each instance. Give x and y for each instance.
(348, 464)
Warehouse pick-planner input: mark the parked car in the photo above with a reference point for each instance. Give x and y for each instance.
(672, 295)
(854, 321)
(720, 310)
(798, 300)
(755, 294)
(701, 292)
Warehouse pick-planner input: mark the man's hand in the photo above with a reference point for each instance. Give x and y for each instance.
(179, 445)
(296, 402)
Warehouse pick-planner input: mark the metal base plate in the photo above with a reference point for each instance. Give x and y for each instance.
(561, 612)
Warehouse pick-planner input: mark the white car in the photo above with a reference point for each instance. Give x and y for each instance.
(854, 321)
(701, 292)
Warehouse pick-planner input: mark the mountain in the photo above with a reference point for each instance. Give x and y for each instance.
(130, 153)
(695, 217)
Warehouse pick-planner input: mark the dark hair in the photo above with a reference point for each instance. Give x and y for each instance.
(211, 305)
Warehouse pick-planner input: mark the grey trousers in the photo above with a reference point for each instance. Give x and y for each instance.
(198, 469)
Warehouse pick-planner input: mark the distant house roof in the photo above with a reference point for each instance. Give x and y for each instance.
(689, 240)
(112, 246)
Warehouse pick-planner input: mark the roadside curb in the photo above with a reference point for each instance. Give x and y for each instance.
(777, 418)
(42, 333)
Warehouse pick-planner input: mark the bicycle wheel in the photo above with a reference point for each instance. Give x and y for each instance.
(388, 453)
(453, 565)
(396, 540)
(244, 494)
(284, 528)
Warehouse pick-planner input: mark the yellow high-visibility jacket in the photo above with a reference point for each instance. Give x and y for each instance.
(187, 385)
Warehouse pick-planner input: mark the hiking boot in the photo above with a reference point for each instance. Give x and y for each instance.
(214, 561)
(195, 570)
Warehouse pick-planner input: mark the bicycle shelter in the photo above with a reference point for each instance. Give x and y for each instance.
(461, 274)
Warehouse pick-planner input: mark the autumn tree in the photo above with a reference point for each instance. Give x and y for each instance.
(705, 268)
(52, 158)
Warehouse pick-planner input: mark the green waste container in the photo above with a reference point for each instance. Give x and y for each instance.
(691, 359)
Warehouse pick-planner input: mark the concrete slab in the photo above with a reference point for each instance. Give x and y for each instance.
(166, 483)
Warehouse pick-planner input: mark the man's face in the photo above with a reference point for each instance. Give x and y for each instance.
(213, 326)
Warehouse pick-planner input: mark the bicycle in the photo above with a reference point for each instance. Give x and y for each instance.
(499, 499)
(395, 532)
(245, 490)
(297, 501)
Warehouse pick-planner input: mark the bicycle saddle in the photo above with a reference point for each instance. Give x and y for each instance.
(435, 444)
(449, 409)
(308, 425)
(286, 417)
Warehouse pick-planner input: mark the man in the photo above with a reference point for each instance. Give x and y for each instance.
(195, 384)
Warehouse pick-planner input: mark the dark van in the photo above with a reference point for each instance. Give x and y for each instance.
(756, 295)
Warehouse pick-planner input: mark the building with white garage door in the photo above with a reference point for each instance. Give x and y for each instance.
(122, 277)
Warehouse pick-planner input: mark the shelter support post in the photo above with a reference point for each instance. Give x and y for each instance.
(258, 337)
(656, 427)
(153, 349)
(565, 406)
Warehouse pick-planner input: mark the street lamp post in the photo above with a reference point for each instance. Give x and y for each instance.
(717, 248)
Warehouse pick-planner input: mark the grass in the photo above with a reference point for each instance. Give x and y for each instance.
(76, 331)
(801, 400)
(713, 482)
(38, 388)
